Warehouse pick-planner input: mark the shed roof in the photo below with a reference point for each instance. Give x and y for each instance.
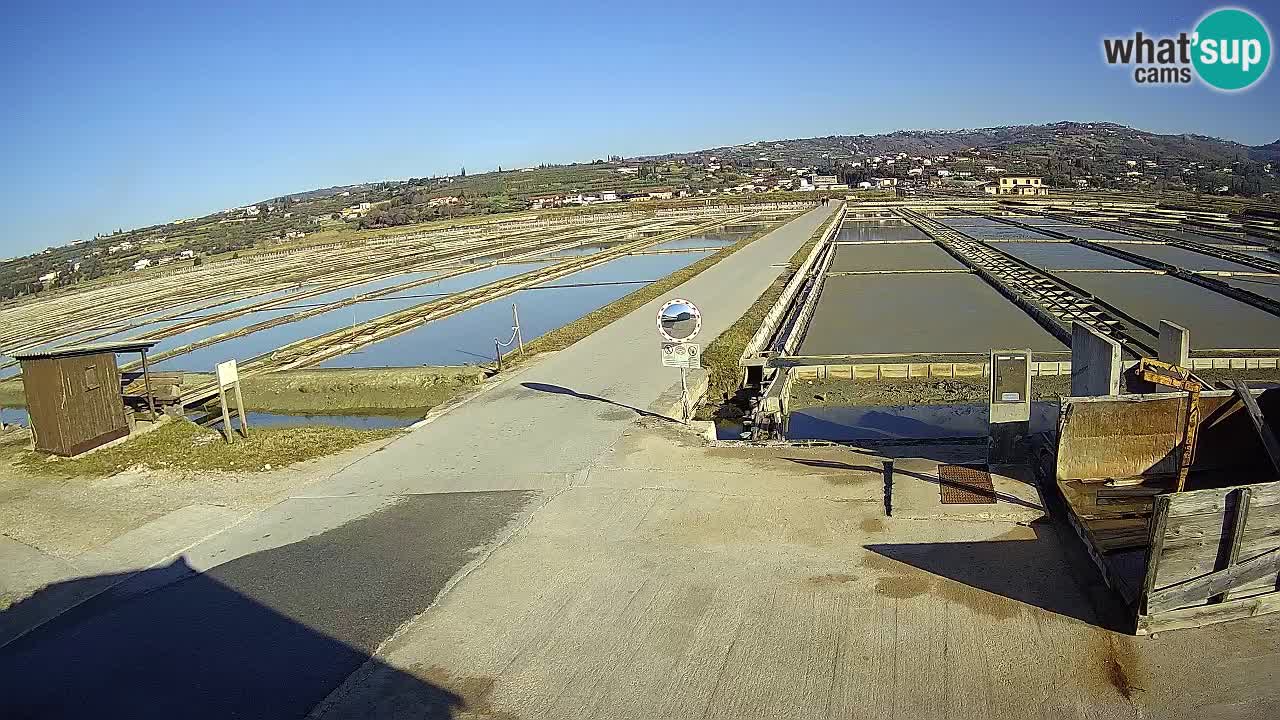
(90, 349)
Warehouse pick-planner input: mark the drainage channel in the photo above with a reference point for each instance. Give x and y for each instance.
(1053, 302)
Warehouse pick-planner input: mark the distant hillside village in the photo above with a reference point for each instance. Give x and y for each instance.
(900, 173)
(1016, 160)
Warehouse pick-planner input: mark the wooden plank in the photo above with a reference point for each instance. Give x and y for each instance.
(146, 380)
(1269, 442)
(1125, 436)
(1239, 517)
(226, 417)
(1121, 541)
(1214, 501)
(1132, 494)
(1194, 547)
(244, 424)
(1198, 590)
(1155, 548)
(1083, 500)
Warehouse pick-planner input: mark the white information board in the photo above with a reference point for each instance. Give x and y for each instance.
(228, 374)
(682, 355)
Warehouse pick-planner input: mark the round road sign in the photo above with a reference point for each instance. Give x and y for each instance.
(679, 321)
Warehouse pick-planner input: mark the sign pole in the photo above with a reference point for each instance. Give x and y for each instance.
(679, 321)
(244, 424)
(226, 416)
(515, 317)
(228, 377)
(684, 398)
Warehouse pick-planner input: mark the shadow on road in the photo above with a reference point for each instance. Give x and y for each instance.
(204, 650)
(559, 390)
(269, 634)
(836, 465)
(1037, 572)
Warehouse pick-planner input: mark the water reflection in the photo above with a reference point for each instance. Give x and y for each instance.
(467, 338)
(356, 422)
(264, 341)
(905, 422)
(14, 415)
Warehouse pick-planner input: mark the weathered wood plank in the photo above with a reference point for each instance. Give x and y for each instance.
(1268, 438)
(1109, 574)
(1122, 542)
(1125, 436)
(1202, 615)
(1198, 590)
(1214, 501)
(1132, 494)
(1239, 516)
(1155, 548)
(1194, 545)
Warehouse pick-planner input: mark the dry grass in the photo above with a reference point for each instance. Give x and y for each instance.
(184, 446)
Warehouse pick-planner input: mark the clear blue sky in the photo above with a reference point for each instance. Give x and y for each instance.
(124, 114)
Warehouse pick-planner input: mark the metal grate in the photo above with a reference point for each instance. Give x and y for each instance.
(966, 485)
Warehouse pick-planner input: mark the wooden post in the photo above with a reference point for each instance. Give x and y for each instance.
(1189, 435)
(1155, 546)
(497, 351)
(515, 317)
(244, 424)
(226, 416)
(1260, 425)
(146, 381)
(1239, 517)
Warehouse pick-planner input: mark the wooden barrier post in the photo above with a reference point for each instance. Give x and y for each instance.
(146, 381)
(244, 423)
(228, 378)
(226, 417)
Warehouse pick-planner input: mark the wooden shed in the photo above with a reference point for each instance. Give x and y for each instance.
(74, 396)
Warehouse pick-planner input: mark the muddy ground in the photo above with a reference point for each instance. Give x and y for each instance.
(950, 391)
(921, 391)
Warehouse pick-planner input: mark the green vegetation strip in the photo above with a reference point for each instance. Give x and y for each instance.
(347, 391)
(597, 319)
(721, 357)
(184, 446)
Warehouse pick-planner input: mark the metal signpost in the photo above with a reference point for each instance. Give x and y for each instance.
(680, 321)
(229, 378)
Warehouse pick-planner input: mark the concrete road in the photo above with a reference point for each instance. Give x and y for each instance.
(537, 430)
(267, 617)
(266, 635)
(681, 581)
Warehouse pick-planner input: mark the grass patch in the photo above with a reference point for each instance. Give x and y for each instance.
(721, 357)
(597, 319)
(12, 394)
(183, 445)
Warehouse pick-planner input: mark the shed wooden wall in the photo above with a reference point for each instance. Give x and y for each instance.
(68, 415)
